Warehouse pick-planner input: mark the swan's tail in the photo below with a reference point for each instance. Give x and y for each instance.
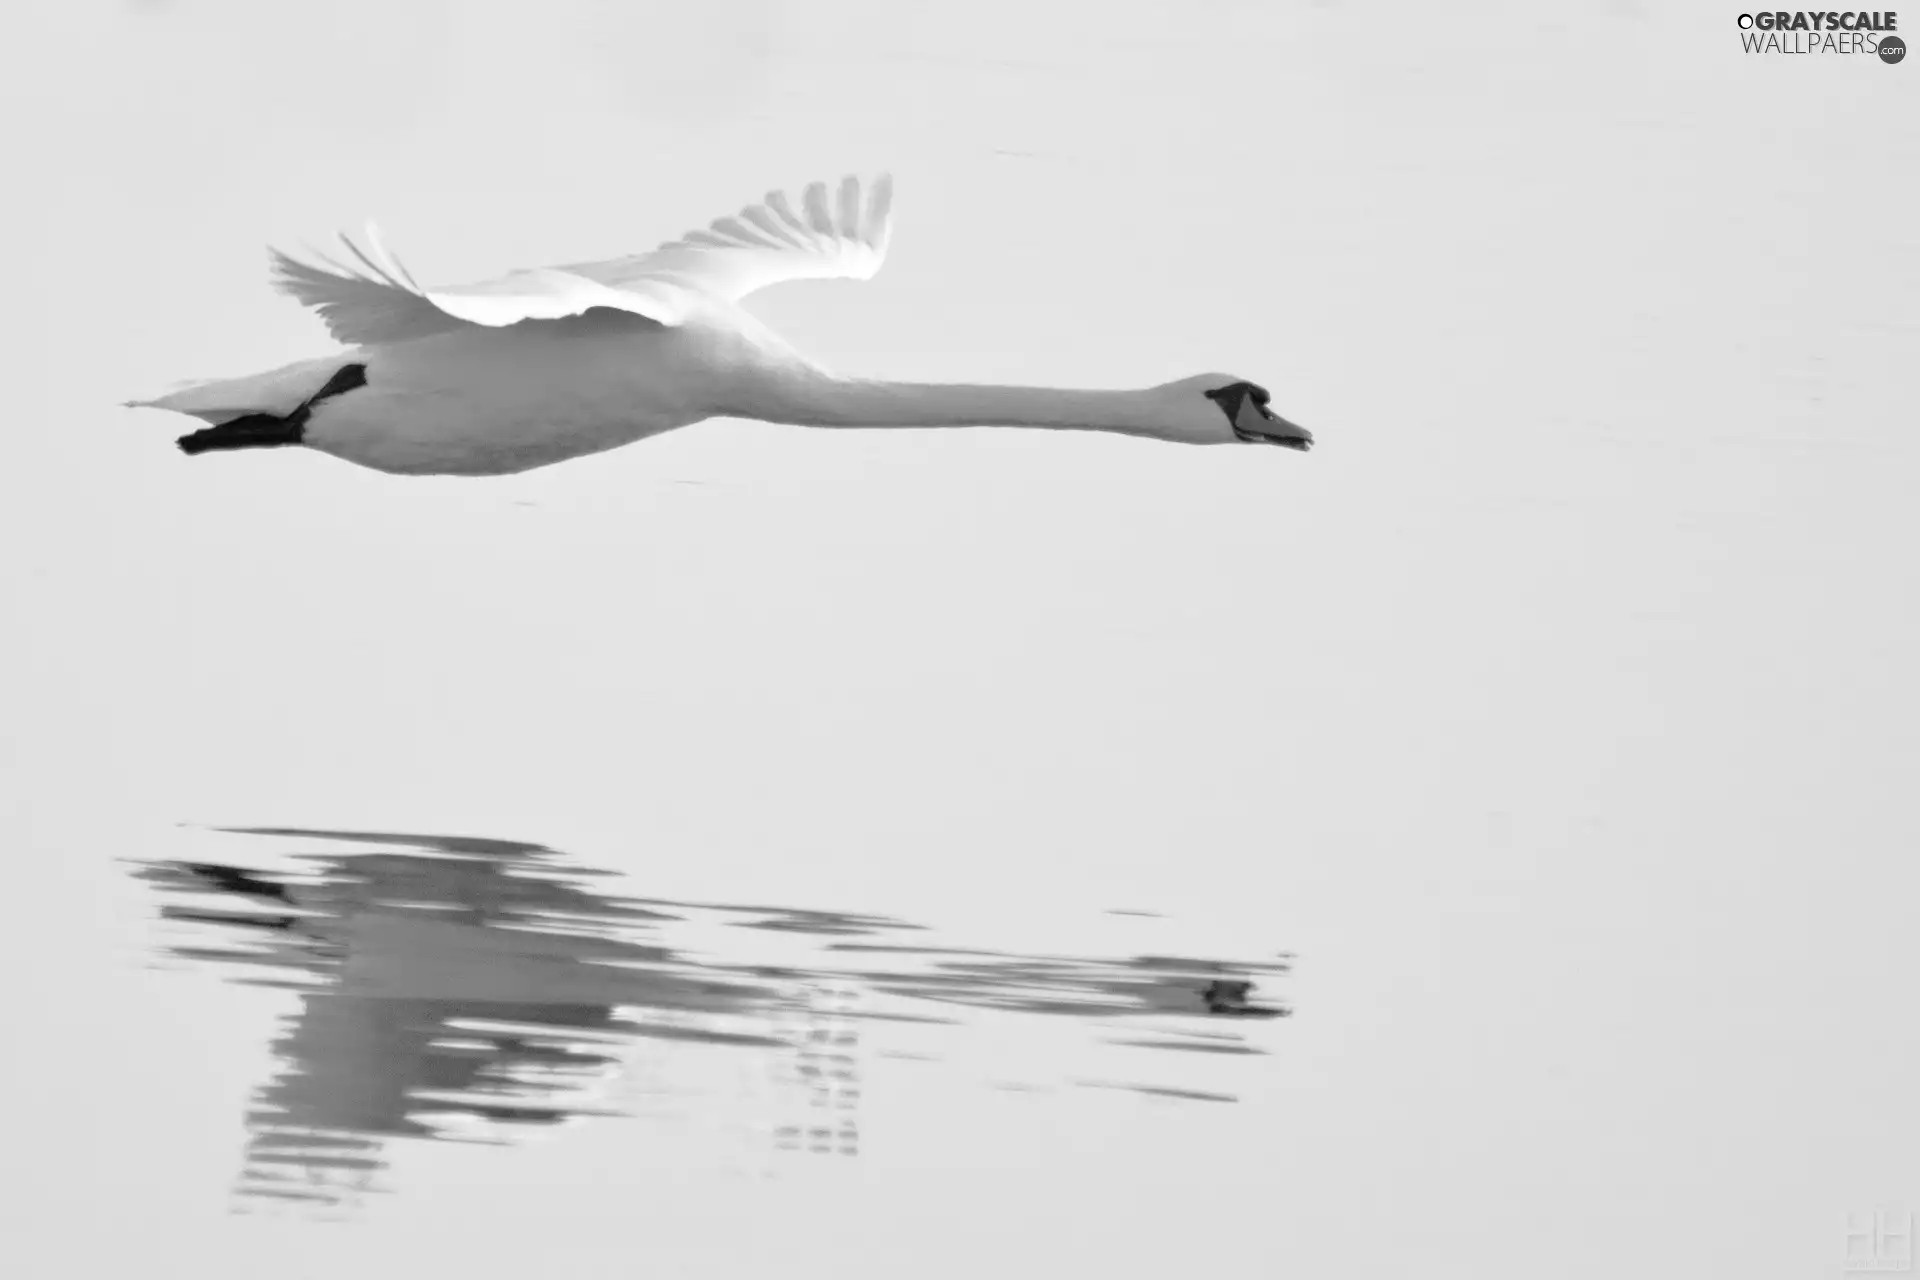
(277, 392)
(235, 426)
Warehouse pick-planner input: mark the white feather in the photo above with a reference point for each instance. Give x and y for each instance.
(378, 300)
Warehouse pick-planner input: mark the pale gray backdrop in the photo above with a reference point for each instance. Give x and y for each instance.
(1558, 710)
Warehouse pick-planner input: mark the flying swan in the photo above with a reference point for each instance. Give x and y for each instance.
(558, 362)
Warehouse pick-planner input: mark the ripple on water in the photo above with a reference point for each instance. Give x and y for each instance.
(477, 990)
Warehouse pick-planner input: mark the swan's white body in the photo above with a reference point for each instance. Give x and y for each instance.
(555, 363)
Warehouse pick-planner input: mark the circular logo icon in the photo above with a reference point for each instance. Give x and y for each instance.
(1892, 49)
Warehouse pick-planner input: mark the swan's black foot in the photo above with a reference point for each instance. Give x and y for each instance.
(264, 430)
(255, 431)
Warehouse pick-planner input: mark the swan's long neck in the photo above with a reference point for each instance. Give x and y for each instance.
(825, 401)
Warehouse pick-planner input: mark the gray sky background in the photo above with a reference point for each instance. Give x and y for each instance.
(1557, 710)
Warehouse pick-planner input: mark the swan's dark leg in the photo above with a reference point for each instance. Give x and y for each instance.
(262, 430)
(254, 431)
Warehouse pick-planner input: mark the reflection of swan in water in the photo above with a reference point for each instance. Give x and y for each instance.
(467, 989)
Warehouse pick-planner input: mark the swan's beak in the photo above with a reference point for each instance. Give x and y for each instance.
(1256, 423)
(1246, 408)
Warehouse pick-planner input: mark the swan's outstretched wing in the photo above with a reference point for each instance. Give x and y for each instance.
(838, 236)
(378, 300)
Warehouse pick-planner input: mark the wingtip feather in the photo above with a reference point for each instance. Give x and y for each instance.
(395, 270)
(848, 221)
(814, 201)
(879, 228)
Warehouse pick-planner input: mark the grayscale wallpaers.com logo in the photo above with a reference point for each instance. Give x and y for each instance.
(1780, 32)
(1880, 1241)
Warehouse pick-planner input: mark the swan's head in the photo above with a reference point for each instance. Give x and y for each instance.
(1218, 408)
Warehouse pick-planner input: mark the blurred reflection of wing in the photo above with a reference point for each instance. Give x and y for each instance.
(454, 992)
(477, 990)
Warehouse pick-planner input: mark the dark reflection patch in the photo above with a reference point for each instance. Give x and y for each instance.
(466, 989)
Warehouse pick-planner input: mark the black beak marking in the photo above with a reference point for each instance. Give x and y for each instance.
(1230, 396)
